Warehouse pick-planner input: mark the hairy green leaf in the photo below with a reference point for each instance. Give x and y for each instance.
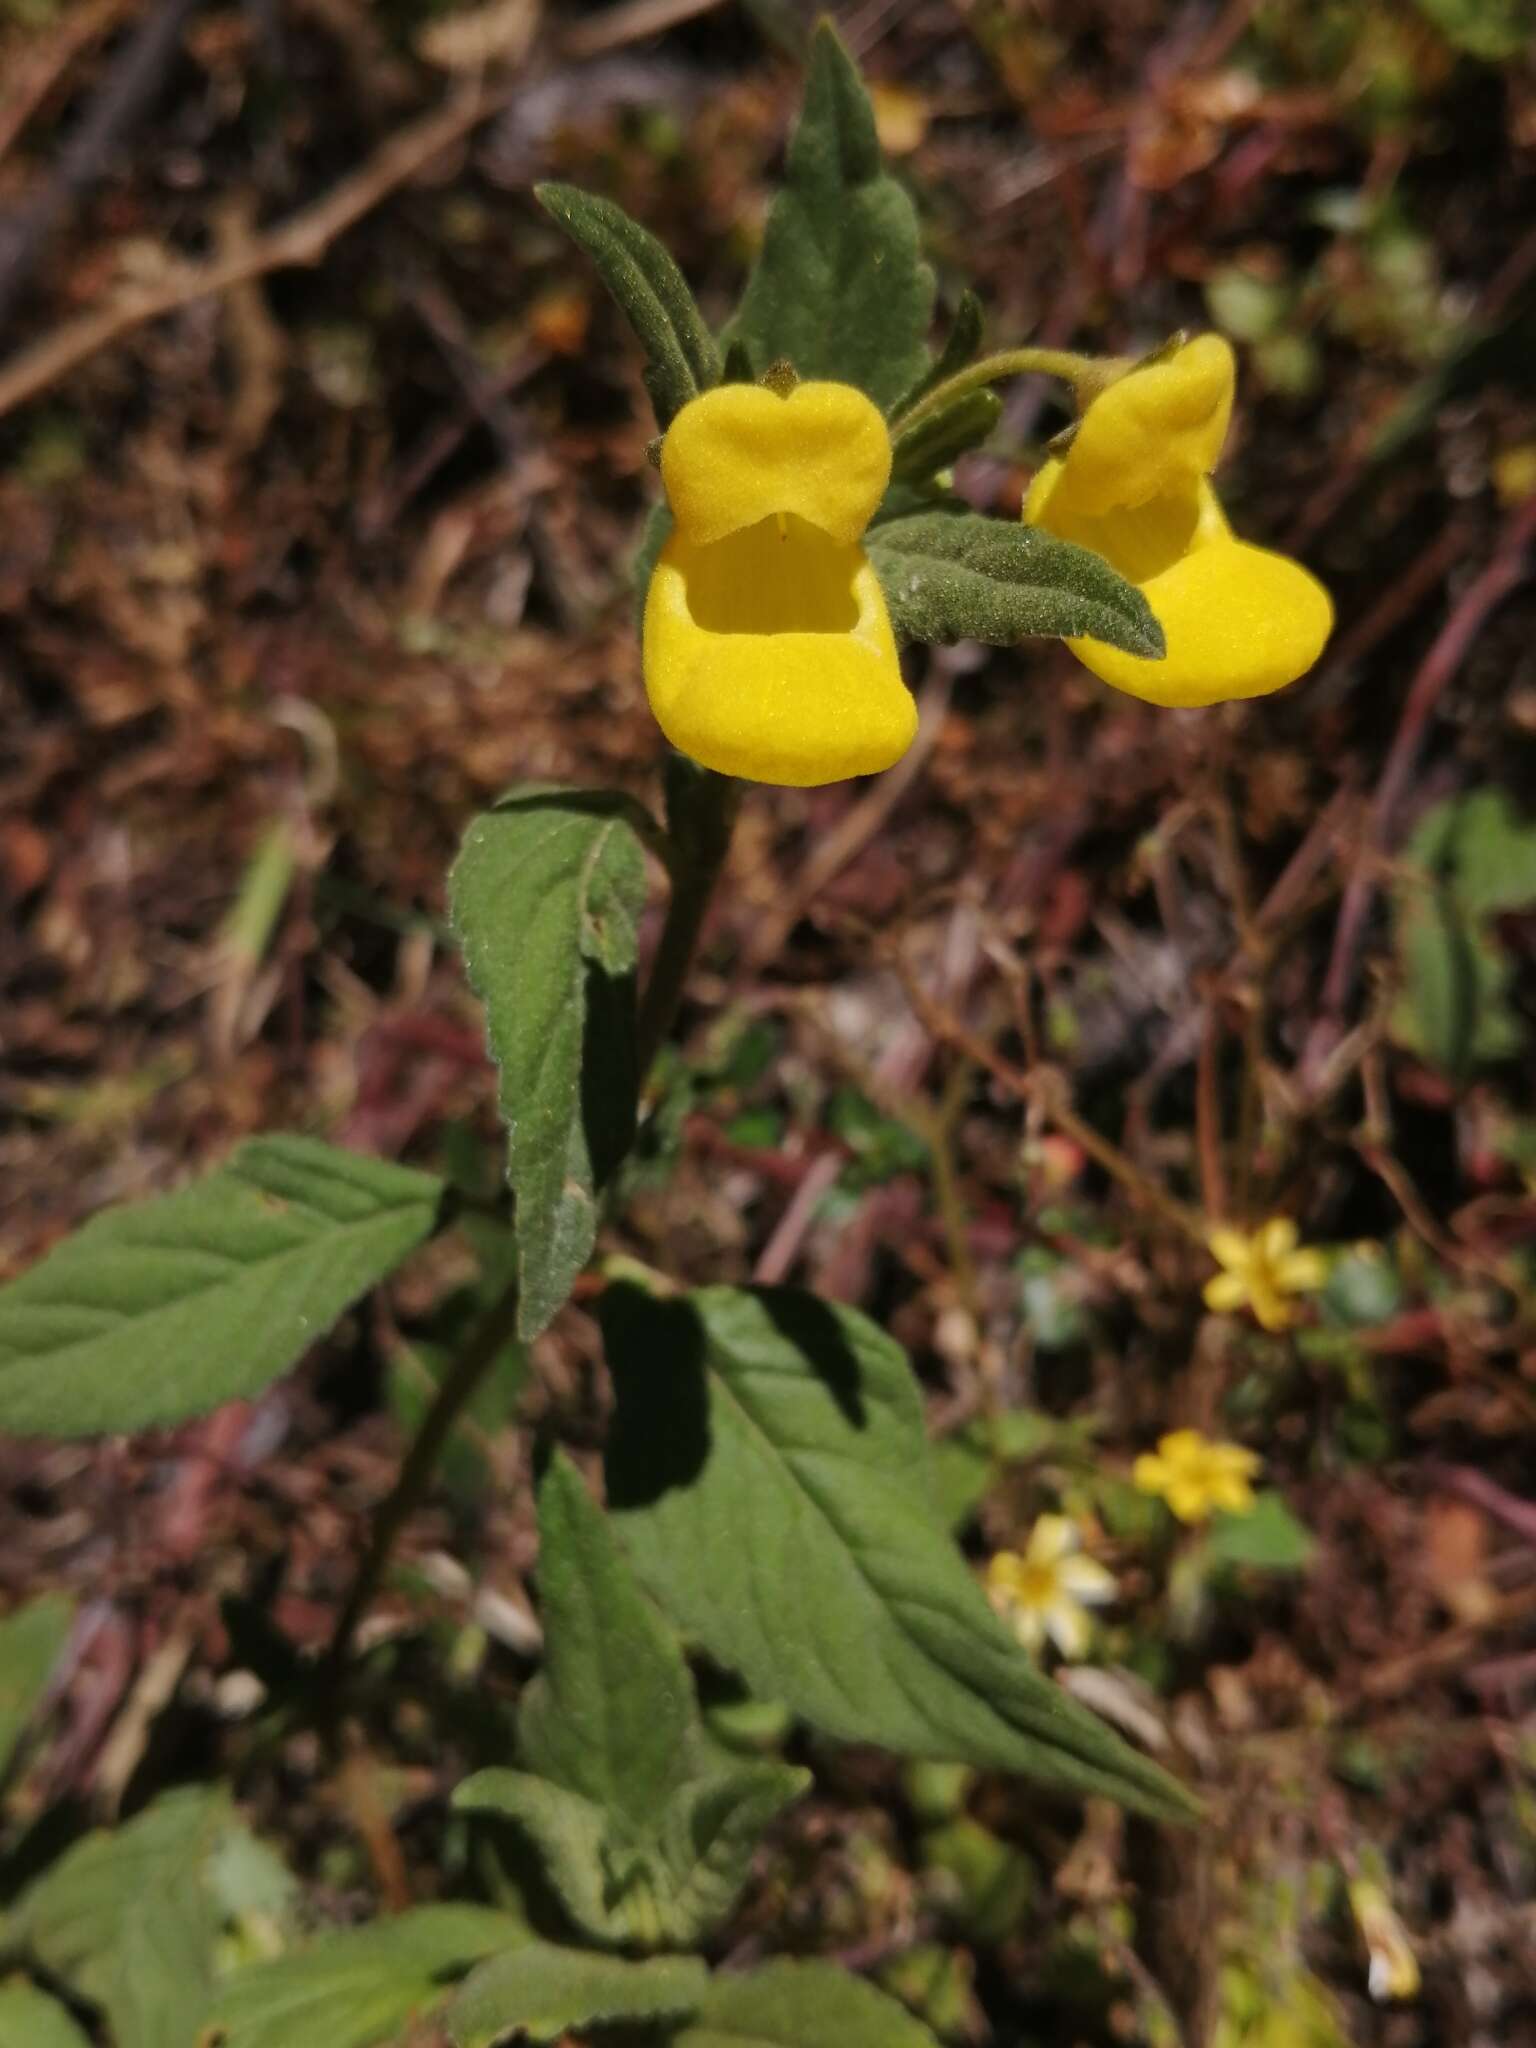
(164, 1309)
(129, 1919)
(611, 1715)
(800, 2005)
(360, 1987)
(29, 2018)
(644, 1829)
(935, 442)
(31, 1643)
(961, 576)
(650, 290)
(543, 1991)
(769, 1473)
(840, 289)
(546, 894)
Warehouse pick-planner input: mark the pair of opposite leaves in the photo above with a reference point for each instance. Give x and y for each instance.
(768, 650)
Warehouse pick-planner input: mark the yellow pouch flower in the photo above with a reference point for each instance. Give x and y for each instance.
(768, 652)
(1238, 620)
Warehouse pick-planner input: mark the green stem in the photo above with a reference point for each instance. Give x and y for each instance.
(701, 812)
(1086, 374)
(487, 1341)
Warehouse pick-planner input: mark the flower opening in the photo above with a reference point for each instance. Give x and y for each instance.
(1134, 486)
(768, 649)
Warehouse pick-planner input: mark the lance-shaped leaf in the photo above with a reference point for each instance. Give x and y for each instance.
(360, 1987)
(612, 1713)
(544, 1991)
(164, 1309)
(644, 1828)
(31, 1643)
(546, 895)
(959, 576)
(799, 2005)
(938, 440)
(682, 359)
(769, 1473)
(840, 289)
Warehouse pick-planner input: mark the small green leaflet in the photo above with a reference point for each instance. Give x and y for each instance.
(546, 895)
(799, 2005)
(360, 1987)
(543, 1991)
(644, 1829)
(31, 1643)
(951, 575)
(769, 1474)
(163, 1309)
(840, 289)
(31, 2019)
(682, 359)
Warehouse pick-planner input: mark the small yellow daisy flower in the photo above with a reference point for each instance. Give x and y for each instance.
(1047, 1589)
(1258, 1272)
(1196, 1476)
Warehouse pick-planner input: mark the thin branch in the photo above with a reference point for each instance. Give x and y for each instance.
(300, 241)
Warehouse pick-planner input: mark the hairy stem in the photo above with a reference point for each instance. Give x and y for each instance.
(1086, 374)
(486, 1343)
(701, 812)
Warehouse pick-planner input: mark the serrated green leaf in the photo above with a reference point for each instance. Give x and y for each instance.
(29, 2018)
(840, 289)
(543, 1991)
(546, 894)
(682, 359)
(612, 1713)
(31, 1643)
(799, 2005)
(361, 1986)
(961, 576)
(129, 1919)
(164, 1309)
(769, 1474)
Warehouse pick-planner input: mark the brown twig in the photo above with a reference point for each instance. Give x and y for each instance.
(132, 81)
(1506, 568)
(45, 64)
(301, 240)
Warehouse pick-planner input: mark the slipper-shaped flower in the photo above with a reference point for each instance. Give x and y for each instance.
(768, 650)
(1134, 486)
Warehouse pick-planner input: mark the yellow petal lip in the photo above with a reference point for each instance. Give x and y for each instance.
(1238, 621)
(741, 453)
(772, 658)
(1153, 429)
